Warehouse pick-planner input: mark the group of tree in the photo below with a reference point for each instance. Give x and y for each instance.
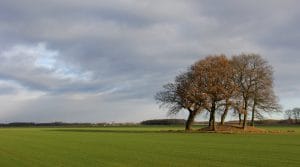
(293, 115)
(216, 84)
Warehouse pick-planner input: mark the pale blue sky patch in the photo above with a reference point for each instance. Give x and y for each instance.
(46, 58)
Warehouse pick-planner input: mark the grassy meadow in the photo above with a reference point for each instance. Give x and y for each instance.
(146, 146)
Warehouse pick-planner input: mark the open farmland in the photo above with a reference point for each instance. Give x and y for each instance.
(146, 146)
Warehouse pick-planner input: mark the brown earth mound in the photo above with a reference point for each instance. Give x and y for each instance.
(236, 129)
(233, 129)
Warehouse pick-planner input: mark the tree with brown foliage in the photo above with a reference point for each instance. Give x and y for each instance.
(214, 75)
(231, 100)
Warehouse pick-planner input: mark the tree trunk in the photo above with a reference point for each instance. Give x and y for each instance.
(190, 120)
(213, 121)
(245, 115)
(245, 121)
(253, 112)
(210, 120)
(225, 113)
(213, 111)
(240, 119)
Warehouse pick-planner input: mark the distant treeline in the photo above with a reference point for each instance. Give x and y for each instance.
(164, 122)
(60, 124)
(146, 122)
(270, 122)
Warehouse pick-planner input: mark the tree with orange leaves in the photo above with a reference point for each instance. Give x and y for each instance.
(214, 75)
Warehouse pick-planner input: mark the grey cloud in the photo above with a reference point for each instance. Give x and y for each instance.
(126, 50)
(6, 89)
(21, 64)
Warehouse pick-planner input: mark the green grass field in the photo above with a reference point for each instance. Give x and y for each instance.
(145, 146)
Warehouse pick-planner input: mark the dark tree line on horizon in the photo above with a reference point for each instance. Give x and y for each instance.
(216, 84)
(293, 115)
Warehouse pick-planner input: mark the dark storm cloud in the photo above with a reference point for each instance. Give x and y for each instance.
(117, 52)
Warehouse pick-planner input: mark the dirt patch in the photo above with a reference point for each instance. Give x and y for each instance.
(238, 129)
(233, 129)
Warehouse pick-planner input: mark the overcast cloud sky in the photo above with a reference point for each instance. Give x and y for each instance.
(96, 61)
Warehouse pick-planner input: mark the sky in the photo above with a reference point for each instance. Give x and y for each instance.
(103, 61)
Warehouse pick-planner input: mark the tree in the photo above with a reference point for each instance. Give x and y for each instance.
(232, 98)
(255, 79)
(182, 94)
(296, 114)
(244, 79)
(289, 115)
(214, 76)
(264, 101)
(216, 83)
(293, 115)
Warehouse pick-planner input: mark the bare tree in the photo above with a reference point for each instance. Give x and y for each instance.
(296, 114)
(255, 79)
(264, 98)
(182, 94)
(264, 101)
(245, 81)
(293, 115)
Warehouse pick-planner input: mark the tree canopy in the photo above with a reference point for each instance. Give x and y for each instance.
(243, 83)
